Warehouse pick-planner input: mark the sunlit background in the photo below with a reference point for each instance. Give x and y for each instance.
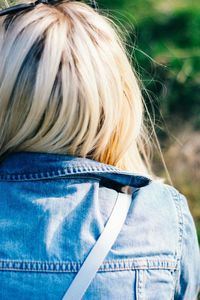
(163, 41)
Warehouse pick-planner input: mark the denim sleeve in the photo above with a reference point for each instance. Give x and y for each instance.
(188, 280)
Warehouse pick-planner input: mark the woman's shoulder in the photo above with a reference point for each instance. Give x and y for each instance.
(167, 212)
(159, 209)
(163, 214)
(174, 205)
(168, 201)
(164, 196)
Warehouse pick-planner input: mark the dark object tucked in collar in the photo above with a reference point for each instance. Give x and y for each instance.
(23, 6)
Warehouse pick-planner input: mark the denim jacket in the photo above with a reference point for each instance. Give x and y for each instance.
(53, 209)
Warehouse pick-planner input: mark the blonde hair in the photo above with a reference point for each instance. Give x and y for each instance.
(67, 87)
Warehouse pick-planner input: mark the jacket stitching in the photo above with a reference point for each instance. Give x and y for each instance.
(120, 265)
(69, 170)
(177, 201)
(140, 284)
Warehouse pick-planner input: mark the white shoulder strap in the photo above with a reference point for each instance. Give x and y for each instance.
(104, 243)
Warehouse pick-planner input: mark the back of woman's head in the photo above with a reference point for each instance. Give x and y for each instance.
(66, 86)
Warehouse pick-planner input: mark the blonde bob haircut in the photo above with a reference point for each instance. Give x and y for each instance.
(67, 87)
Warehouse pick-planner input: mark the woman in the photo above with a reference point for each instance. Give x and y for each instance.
(74, 171)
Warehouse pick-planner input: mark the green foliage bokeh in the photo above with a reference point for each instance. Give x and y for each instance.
(167, 39)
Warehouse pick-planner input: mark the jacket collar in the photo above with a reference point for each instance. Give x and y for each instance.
(26, 166)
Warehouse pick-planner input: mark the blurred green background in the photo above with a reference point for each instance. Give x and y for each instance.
(163, 40)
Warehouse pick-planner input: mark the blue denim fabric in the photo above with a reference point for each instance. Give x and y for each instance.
(53, 209)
